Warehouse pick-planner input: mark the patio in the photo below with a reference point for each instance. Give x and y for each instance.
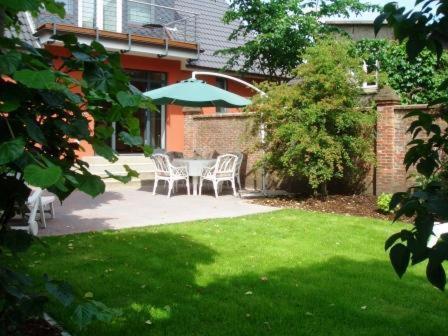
(127, 207)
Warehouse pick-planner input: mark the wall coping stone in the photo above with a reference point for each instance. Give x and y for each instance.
(191, 110)
(386, 96)
(414, 107)
(224, 115)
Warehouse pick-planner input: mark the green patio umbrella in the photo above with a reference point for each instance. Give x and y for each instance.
(196, 93)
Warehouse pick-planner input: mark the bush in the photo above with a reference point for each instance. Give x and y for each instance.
(316, 129)
(383, 203)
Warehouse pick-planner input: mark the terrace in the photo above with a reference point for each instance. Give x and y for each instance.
(133, 26)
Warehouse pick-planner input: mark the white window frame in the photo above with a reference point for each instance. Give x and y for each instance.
(99, 18)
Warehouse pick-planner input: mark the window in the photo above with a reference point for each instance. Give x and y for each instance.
(152, 123)
(139, 12)
(88, 13)
(68, 6)
(221, 83)
(110, 15)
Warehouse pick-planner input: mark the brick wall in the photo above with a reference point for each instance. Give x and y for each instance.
(223, 133)
(391, 143)
(230, 132)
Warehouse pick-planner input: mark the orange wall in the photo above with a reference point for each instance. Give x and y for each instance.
(174, 133)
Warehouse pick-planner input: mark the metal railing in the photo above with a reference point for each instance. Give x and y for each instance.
(142, 17)
(160, 21)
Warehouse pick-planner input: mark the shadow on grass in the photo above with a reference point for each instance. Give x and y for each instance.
(153, 277)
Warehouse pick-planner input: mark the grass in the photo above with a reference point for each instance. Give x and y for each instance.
(283, 273)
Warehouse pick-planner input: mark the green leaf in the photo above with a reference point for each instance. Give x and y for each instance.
(60, 290)
(84, 315)
(131, 140)
(391, 240)
(42, 79)
(436, 274)
(90, 184)
(11, 150)
(34, 131)
(400, 256)
(93, 310)
(9, 106)
(10, 62)
(79, 55)
(120, 178)
(68, 39)
(104, 150)
(127, 99)
(147, 150)
(42, 177)
(130, 173)
(16, 240)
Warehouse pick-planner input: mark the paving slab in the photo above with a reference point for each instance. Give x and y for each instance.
(127, 208)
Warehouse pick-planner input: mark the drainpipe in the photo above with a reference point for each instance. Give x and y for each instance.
(262, 93)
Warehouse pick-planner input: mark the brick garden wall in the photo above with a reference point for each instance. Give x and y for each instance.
(222, 133)
(391, 147)
(230, 132)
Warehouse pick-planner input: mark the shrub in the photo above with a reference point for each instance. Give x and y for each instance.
(316, 129)
(383, 203)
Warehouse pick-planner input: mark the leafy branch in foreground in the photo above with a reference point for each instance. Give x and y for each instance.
(423, 29)
(48, 103)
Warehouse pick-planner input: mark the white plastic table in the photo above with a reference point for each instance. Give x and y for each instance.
(195, 167)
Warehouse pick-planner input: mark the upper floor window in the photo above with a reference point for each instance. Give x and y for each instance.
(68, 6)
(140, 12)
(89, 13)
(110, 15)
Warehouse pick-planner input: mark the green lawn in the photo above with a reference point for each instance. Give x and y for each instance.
(283, 273)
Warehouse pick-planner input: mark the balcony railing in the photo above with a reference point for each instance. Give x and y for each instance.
(140, 17)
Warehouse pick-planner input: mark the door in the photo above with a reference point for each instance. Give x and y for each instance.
(152, 123)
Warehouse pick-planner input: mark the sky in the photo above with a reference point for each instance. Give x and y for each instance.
(409, 4)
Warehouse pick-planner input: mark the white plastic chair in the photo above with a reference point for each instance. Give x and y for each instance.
(238, 169)
(165, 171)
(33, 204)
(223, 170)
(46, 204)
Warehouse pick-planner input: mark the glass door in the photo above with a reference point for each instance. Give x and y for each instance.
(152, 123)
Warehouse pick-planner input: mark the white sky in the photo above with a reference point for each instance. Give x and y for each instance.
(409, 4)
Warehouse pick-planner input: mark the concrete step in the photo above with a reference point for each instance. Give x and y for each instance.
(122, 159)
(143, 165)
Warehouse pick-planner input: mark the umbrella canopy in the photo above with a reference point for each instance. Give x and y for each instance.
(196, 93)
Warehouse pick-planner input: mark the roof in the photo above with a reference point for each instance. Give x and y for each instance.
(212, 32)
(26, 30)
(350, 22)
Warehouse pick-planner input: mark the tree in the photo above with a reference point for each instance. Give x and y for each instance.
(425, 28)
(277, 32)
(316, 129)
(45, 104)
(417, 81)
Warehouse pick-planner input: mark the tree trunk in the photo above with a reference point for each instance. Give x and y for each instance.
(323, 190)
(2, 22)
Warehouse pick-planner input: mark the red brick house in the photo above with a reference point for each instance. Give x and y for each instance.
(161, 42)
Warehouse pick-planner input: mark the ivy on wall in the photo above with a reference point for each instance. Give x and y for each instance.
(417, 82)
